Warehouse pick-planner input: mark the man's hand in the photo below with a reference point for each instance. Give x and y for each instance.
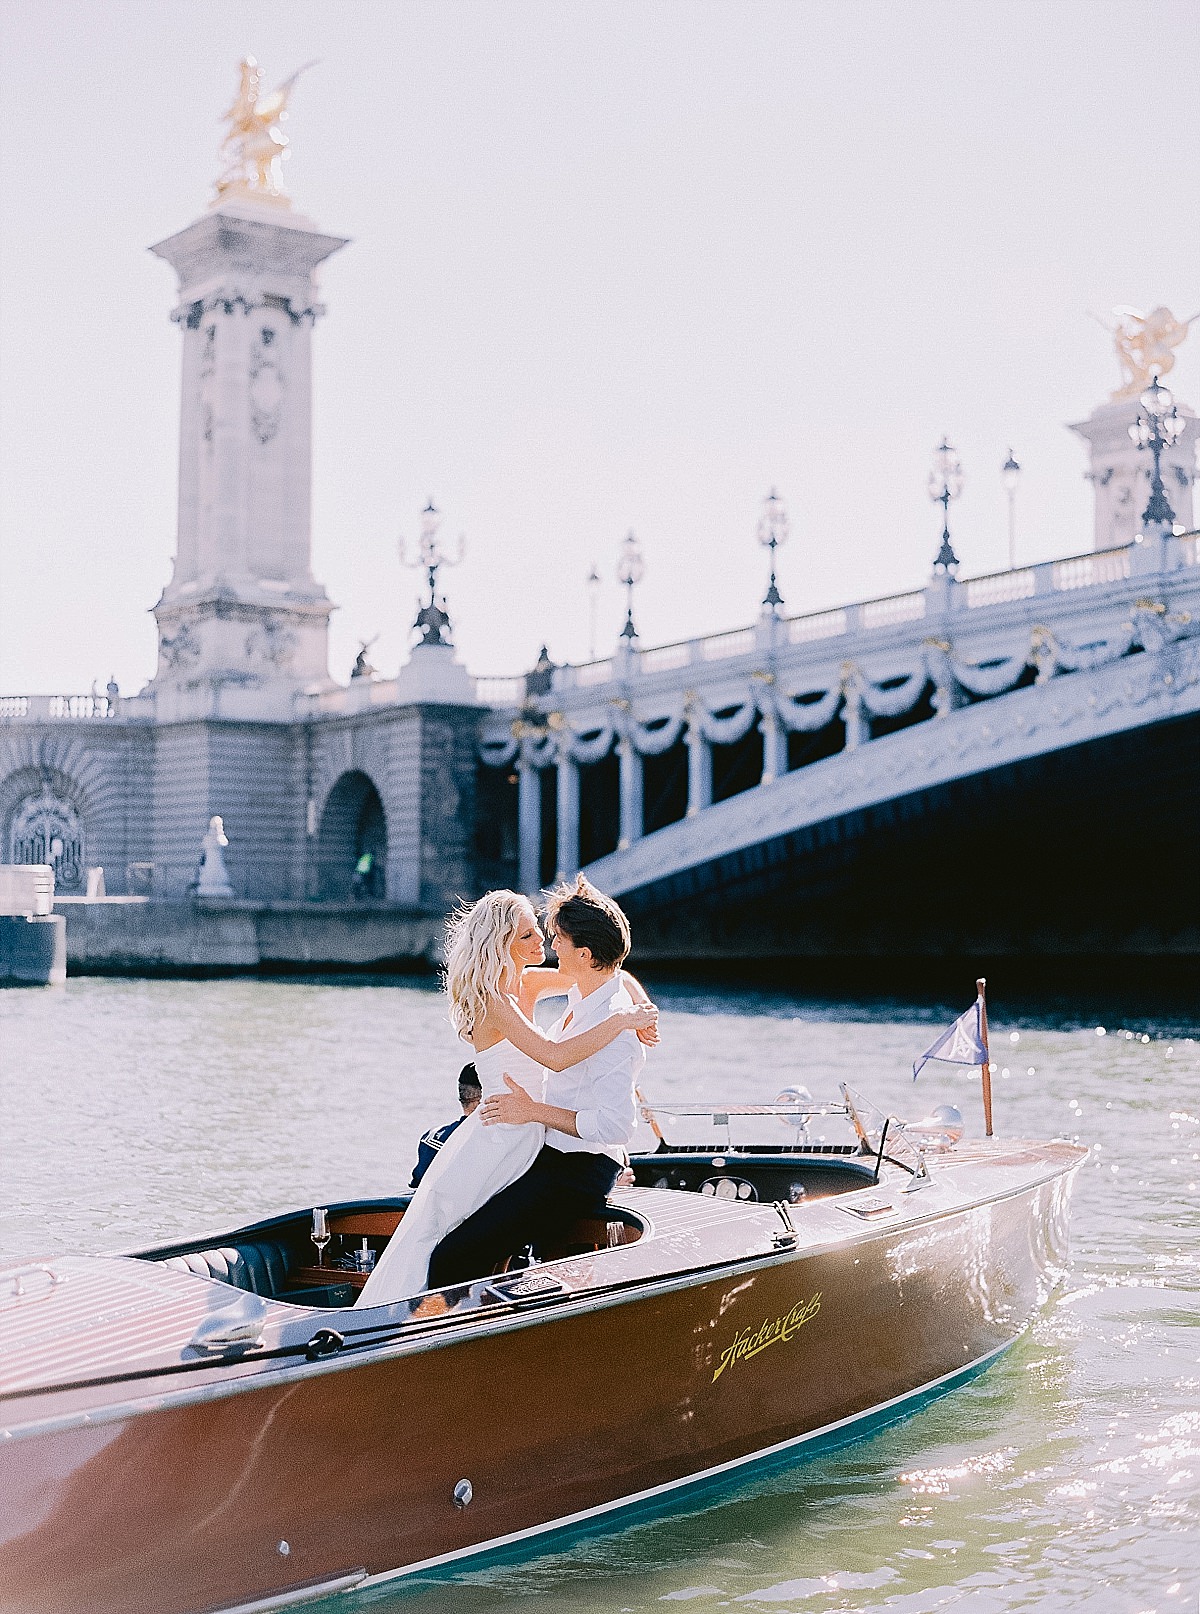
(514, 1108)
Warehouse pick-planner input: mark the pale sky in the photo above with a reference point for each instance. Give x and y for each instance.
(614, 265)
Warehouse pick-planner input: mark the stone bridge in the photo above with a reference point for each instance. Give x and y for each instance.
(1006, 765)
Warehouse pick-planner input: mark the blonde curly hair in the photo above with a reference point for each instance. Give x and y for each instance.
(479, 964)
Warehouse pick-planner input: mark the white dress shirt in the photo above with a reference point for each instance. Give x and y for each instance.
(600, 1090)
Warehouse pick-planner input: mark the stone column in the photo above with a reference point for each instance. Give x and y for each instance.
(774, 748)
(631, 794)
(699, 770)
(568, 816)
(858, 729)
(529, 828)
(243, 624)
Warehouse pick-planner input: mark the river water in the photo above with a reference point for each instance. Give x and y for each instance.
(1066, 1477)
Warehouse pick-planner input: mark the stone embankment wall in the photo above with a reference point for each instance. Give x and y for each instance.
(138, 936)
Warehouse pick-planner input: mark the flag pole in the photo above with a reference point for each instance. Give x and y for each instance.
(981, 988)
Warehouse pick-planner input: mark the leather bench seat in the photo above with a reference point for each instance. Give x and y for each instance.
(261, 1267)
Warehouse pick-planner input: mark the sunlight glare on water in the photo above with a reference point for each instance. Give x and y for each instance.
(1066, 1477)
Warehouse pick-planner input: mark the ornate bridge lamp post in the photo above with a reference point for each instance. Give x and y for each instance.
(1010, 475)
(945, 483)
(631, 568)
(593, 588)
(772, 535)
(432, 618)
(1158, 426)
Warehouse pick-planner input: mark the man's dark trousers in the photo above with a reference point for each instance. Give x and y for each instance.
(557, 1188)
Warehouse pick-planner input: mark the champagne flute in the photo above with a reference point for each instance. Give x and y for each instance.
(320, 1234)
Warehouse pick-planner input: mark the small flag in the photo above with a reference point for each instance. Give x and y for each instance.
(963, 1044)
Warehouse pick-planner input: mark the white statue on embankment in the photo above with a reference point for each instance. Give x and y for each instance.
(212, 877)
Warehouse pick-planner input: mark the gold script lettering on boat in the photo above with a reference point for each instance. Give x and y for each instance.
(772, 1331)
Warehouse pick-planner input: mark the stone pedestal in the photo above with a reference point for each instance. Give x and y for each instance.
(433, 673)
(1120, 472)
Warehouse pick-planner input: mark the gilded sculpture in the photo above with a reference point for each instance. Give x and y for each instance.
(254, 145)
(1145, 345)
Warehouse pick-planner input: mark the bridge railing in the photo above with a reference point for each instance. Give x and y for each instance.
(1076, 572)
(499, 691)
(892, 610)
(58, 708)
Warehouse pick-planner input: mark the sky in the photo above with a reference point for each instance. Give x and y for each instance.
(615, 265)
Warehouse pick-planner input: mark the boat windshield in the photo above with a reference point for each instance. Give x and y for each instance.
(792, 1122)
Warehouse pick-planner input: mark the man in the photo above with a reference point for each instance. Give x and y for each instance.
(469, 1094)
(589, 1111)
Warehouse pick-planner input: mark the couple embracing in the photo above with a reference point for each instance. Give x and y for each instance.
(548, 1141)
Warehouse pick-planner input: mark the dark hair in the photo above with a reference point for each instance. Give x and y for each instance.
(590, 919)
(469, 1085)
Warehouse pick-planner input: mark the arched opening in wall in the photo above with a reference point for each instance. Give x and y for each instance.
(495, 827)
(548, 851)
(352, 843)
(46, 828)
(921, 712)
(665, 787)
(737, 767)
(599, 808)
(803, 749)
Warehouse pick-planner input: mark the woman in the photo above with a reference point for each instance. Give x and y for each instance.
(493, 981)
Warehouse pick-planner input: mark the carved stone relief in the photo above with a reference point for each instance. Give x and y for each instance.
(272, 644)
(181, 649)
(266, 387)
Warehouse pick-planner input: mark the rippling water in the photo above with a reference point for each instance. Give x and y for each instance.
(1066, 1477)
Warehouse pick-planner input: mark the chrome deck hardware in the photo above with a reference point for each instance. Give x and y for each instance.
(36, 1269)
(786, 1238)
(920, 1177)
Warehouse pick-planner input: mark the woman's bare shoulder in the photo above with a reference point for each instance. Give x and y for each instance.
(494, 1026)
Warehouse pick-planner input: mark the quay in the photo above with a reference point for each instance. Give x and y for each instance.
(141, 936)
(983, 766)
(32, 937)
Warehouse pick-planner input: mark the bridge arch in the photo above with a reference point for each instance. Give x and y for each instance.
(352, 823)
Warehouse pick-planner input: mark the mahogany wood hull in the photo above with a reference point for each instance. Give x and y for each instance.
(180, 1503)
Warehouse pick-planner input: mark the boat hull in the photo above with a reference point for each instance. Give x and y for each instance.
(346, 1469)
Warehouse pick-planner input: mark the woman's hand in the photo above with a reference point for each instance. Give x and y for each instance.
(514, 1108)
(642, 1018)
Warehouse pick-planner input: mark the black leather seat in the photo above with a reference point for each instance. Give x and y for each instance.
(261, 1267)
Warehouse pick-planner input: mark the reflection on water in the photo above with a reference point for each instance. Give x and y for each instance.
(1064, 1478)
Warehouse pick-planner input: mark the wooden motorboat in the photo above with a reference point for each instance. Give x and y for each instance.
(209, 1426)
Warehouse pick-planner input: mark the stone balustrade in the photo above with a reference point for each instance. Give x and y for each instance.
(74, 708)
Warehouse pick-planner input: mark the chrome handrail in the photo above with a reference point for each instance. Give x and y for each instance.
(16, 1277)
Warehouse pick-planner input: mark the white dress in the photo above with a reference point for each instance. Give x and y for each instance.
(472, 1166)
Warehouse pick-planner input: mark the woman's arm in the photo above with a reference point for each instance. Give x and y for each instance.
(507, 1018)
(538, 983)
(637, 994)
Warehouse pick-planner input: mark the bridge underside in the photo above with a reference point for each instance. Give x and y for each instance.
(1089, 854)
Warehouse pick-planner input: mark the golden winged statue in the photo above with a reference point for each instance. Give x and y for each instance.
(254, 145)
(1145, 345)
